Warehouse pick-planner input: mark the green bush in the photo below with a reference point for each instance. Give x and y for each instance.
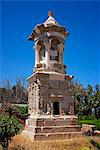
(9, 126)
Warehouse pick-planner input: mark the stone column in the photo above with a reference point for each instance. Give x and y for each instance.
(37, 49)
(47, 53)
(60, 49)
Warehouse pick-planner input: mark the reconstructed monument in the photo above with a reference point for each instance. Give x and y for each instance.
(50, 101)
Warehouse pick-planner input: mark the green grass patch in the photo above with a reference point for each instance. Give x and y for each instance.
(95, 122)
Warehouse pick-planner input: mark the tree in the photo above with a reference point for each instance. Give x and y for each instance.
(96, 101)
(90, 93)
(19, 92)
(87, 99)
(15, 94)
(80, 97)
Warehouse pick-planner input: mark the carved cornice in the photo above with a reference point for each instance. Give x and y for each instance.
(41, 30)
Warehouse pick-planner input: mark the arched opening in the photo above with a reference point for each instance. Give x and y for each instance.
(41, 51)
(54, 53)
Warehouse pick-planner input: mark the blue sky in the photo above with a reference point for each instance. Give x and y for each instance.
(81, 53)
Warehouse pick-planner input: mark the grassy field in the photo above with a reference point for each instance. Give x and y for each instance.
(95, 122)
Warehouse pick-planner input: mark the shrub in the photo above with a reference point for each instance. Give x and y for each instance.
(9, 126)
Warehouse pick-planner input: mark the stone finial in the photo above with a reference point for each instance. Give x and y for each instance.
(50, 13)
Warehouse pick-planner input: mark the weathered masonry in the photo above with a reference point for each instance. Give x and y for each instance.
(51, 106)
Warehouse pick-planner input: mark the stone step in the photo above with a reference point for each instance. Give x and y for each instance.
(52, 121)
(55, 122)
(49, 122)
(56, 136)
(53, 129)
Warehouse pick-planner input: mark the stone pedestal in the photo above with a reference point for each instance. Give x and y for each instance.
(51, 108)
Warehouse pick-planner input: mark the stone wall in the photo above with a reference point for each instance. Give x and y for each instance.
(45, 89)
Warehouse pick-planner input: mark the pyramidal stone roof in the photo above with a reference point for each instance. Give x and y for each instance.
(49, 25)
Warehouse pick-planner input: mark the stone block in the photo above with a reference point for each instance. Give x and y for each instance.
(57, 129)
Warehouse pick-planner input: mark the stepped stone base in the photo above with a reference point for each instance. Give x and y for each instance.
(47, 127)
(56, 136)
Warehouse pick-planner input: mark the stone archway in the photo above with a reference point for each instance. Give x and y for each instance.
(54, 53)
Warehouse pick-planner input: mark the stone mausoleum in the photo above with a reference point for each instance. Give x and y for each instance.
(50, 101)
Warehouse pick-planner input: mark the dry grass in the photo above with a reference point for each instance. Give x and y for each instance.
(22, 143)
(95, 138)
